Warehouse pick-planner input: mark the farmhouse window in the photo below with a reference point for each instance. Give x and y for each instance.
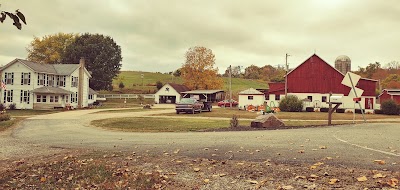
(310, 98)
(50, 80)
(8, 96)
(41, 79)
(25, 96)
(9, 78)
(44, 98)
(38, 98)
(90, 97)
(277, 97)
(250, 97)
(61, 81)
(74, 97)
(323, 98)
(74, 82)
(25, 78)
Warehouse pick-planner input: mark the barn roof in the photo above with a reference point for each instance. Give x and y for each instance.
(179, 87)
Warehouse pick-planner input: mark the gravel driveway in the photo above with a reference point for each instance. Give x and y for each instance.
(350, 145)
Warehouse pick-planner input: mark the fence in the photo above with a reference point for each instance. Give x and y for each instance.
(127, 96)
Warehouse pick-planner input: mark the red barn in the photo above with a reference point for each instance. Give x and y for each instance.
(390, 94)
(314, 79)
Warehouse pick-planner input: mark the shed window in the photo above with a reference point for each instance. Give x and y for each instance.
(278, 97)
(323, 98)
(250, 97)
(310, 98)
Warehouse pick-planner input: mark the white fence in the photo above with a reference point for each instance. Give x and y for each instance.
(127, 96)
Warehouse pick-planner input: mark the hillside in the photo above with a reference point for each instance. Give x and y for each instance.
(133, 82)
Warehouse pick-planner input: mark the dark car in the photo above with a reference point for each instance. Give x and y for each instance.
(189, 105)
(227, 103)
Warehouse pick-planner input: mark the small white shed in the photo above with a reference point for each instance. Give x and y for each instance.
(170, 93)
(250, 96)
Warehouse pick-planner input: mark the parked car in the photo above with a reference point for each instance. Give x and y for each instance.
(227, 103)
(191, 105)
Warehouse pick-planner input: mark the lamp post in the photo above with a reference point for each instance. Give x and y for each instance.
(142, 76)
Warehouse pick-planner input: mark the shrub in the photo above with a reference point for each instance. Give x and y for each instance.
(2, 107)
(4, 117)
(121, 85)
(12, 106)
(389, 107)
(324, 109)
(159, 85)
(340, 110)
(378, 112)
(309, 109)
(234, 121)
(291, 103)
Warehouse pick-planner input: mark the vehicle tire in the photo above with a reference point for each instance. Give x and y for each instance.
(177, 112)
(201, 109)
(193, 111)
(209, 108)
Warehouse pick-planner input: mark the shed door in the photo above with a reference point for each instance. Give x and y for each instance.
(369, 103)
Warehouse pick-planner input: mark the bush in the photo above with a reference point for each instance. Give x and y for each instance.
(309, 109)
(121, 85)
(2, 107)
(12, 106)
(159, 85)
(359, 110)
(340, 110)
(324, 109)
(291, 103)
(378, 112)
(4, 117)
(234, 121)
(390, 107)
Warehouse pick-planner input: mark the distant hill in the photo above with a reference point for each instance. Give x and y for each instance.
(133, 82)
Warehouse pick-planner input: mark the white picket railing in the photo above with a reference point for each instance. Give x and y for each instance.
(127, 96)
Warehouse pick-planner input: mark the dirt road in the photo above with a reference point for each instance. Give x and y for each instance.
(348, 145)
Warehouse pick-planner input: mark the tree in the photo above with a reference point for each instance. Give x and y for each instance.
(121, 86)
(159, 85)
(177, 73)
(16, 17)
(252, 72)
(102, 56)
(391, 81)
(50, 48)
(198, 71)
(235, 72)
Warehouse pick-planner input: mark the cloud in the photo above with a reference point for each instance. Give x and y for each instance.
(154, 35)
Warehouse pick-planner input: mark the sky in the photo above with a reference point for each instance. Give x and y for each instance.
(154, 35)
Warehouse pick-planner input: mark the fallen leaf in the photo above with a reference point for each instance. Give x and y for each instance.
(300, 177)
(287, 187)
(393, 182)
(362, 178)
(240, 163)
(333, 181)
(43, 179)
(378, 175)
(196, 169)
(206, 180)
(253, 181)
(301, 151)
(322, 147)
(222, 175)
(177, 151)
(381, 162)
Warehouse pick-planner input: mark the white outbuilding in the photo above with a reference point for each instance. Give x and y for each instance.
(250, 96)
(170, 93)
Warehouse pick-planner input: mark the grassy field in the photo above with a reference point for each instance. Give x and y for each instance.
(227, 113)
(133, 82)
(139, 124)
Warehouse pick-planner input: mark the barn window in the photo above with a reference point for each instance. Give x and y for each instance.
(323, 98)
(310, 98)
(277, 97)
(250, 97)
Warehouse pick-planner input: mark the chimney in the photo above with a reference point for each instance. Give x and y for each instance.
(81, 81)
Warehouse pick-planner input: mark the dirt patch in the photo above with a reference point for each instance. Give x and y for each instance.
(139, 170)
(247, 128)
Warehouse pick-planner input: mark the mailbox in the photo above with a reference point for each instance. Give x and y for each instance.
(336, 99)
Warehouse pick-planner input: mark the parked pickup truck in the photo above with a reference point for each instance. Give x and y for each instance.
(191, 105)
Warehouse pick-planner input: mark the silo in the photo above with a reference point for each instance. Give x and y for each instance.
(343, 64)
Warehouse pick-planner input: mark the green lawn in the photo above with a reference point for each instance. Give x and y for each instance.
(139, 124)
(127, 110)
(133, 82)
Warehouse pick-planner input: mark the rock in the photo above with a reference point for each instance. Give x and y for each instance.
(269, 121)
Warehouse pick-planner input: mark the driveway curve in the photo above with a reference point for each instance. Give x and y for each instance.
(347, 145)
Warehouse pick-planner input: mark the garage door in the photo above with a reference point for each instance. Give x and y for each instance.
(167, 99)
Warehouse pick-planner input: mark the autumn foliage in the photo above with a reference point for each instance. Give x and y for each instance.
(198, 71)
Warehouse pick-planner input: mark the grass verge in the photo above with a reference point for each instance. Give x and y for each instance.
(127, 110)
(145, 124)
(9, 123)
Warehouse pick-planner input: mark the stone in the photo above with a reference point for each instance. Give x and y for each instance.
(269, 121)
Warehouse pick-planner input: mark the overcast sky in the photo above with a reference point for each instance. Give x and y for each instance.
(155, 34)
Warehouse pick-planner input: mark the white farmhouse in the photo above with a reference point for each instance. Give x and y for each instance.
(31, 85)
(250, 96)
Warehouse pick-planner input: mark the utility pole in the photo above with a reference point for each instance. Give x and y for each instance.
(287, 70)
(142, 76)
(230, 85)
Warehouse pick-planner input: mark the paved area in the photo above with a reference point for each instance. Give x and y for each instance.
(347, 145)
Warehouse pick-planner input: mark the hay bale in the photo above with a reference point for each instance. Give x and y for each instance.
(269, 121)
